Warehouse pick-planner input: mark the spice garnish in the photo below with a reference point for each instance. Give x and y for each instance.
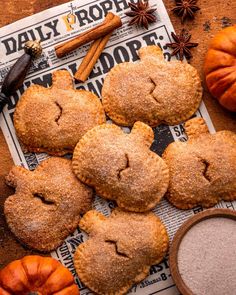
(109, 24)
(185, 8)
(182, 46)
(141, 14)
(91, 58)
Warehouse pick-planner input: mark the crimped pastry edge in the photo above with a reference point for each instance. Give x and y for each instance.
(229, 196)
(102, 193)
(143, 274)
(173, 120)
(20, 129)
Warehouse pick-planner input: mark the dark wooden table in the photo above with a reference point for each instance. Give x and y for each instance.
(214, 15)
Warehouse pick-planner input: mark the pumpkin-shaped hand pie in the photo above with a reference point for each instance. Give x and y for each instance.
(54, 119)
(121, 166)
(120, 250)
(47, 204)
(37, 275)
(220, 67)
(153, 91)
(203, 169)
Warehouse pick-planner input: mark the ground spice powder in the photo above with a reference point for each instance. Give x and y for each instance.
(207, 257)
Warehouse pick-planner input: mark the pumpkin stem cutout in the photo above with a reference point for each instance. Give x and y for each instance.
(120, 250)
(61, 80)
(121, 167)
(47, 204)
(203, 169)
(152, 90)
(54, 119)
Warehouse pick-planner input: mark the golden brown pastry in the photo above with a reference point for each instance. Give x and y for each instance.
(54, 119)
(203, 169)
(153, 91)
(120, 250)
(121, 166)
(47, 204)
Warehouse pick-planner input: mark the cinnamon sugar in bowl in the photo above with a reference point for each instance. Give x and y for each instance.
(203, 254)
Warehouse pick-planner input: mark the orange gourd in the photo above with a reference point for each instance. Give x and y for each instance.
(37, 275)
(220, 67)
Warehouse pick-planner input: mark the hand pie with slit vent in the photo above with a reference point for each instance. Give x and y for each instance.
(203, 169)
(120, 250)
(153, 90)
(47, 204)
(54, 119)
(121, 167)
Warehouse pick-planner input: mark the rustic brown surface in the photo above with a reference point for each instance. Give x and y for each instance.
(214, 15)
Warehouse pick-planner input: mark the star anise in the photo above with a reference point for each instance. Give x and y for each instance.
(182, 46)
(185, 8)
(141, 14)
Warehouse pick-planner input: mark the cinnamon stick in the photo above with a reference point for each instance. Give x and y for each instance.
(110, 23)
(91, 58)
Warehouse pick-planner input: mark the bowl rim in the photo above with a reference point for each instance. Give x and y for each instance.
(181, 232)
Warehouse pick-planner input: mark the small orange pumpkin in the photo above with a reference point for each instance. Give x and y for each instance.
(220, 67)
(37, 275)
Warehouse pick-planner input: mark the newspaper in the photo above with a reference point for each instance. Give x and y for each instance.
(60, 24)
